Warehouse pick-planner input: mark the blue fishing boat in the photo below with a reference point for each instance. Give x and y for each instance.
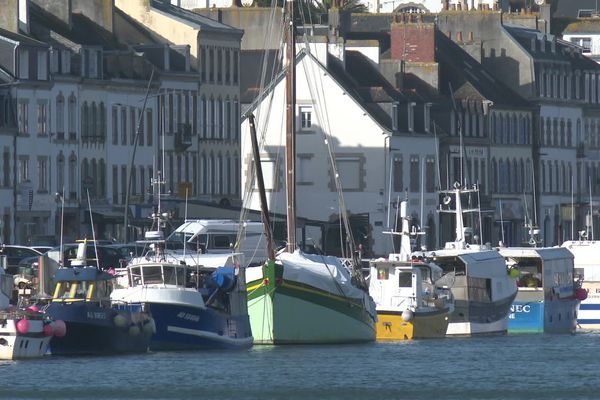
(197, 302)
(546, 299)
(94, 324)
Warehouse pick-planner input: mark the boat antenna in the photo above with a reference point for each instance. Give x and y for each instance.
(61, 257)
(290, 92)
(437, 156)
(591, 225)
(501, 222)
(572, 209)
(460, 136)
(535, 221)
(479, 211)
(93, 231)
(185, 219)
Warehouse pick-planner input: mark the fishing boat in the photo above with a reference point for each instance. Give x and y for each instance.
(410, 305)
(546, 300)
(94, 324)
(587, 274)
(295, 297)
(197, 301)
(24, 333)
(476, 274)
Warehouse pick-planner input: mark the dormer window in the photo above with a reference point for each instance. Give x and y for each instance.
(42, 65)
(411, 117)
(306, 118)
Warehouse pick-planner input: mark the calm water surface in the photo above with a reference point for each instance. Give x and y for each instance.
(506, 367)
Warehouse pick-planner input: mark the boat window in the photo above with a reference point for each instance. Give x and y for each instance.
(135, 276)
(383, 274)
(170, 275)
(180, 276)
(405, 279)
(152, 274)
(480, 289)
(221, 242)
(425, 273)
(452, 265)
(579, 275)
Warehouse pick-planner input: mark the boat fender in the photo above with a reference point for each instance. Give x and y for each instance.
(149, 326)
(34, 309)
(120, 321)
(48, 330)
(581, 294)
(407, 315)
(23, 326)
(513, 273)
(60, 328)
(134, 330)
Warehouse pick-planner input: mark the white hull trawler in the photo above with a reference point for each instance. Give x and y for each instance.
(476, 275)
(23, 333)
(587, 271)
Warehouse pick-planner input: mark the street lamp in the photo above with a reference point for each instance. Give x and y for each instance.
(61, 197)
(135, 142)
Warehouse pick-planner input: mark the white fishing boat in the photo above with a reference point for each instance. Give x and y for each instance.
(587, 273)
(410, 304)
(298, 298)
(476, 274)
(24, 333)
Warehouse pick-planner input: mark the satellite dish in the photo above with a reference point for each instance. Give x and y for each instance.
(446, 200)
(539, 2)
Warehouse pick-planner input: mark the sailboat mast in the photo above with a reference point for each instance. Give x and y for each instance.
(290, 92)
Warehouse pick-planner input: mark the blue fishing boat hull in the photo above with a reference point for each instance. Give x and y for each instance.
(549, 316)
(92, 329)
(181, 327)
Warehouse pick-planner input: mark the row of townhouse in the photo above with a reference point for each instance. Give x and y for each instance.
(96, 104)
(505, 105)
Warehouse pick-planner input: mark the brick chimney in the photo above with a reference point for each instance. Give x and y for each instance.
(412, 40)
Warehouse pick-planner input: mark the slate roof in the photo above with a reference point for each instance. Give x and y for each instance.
(469, 79)
(583, 26)
(200, 21)
(23, 39)
(564, 50)
(570, 8)
(82, 31)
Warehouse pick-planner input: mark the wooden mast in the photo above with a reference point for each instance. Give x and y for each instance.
(290, 91)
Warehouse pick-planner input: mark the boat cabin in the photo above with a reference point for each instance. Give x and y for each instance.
(82, 284)
(396, 285)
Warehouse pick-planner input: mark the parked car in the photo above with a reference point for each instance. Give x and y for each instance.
(14, 254)
(129, 251)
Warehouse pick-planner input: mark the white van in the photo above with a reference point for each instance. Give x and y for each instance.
(218, 236)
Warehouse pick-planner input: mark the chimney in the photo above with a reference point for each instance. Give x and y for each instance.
(14, 16)
(413, 41)
(100, 12)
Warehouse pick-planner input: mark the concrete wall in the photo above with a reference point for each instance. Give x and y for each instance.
(500, 53)
(61, 9)
(9, 16)
(262, 26)
(99, 11)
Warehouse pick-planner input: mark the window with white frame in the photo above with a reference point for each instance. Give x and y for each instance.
(306, 118)
(397, 172)
(60, 117)
(72, 117)
(303, 169)
(42, 118)
(42, 170)
(349, 170)
(23, 64)
(42, 65)
(23, 168)
(269, 174)
(22, 116)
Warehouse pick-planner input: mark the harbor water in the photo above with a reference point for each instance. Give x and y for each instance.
(503, 367)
